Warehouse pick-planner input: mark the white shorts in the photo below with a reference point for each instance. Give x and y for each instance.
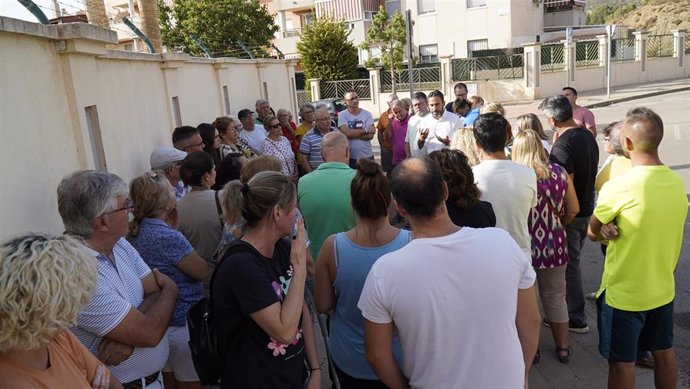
(180, 358)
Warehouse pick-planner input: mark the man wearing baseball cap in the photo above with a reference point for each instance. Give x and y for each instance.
(169, 159)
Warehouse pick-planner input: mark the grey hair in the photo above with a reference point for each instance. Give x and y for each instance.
(85, 195)
(557, 107)
(260, 102)
(282, 111)
(304, 108)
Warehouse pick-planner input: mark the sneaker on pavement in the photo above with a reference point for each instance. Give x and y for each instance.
(591, 296)
(572, 327)
(578, 328)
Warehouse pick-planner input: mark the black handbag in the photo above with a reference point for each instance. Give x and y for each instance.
(203, 338)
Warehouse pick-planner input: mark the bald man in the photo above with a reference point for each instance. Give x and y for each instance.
(324, 194)
(641, 214)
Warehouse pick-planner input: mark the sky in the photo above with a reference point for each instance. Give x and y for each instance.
(14, 9)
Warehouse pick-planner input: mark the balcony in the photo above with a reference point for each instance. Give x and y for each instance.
(292, 5)
(564, 3)
(347, 10)
(292, 33)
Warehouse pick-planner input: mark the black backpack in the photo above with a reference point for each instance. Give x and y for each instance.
(203, 339)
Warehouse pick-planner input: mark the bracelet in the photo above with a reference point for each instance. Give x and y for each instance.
(318, 368)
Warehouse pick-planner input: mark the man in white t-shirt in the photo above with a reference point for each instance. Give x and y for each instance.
(510, 188)
(437, 129)
(357, 125)
(462, 300)
(421, 111)
(254, 134)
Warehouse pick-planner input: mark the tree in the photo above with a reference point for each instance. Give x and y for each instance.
(149, 23)
(390, 35)
(95, 13)
(325, 51)
(222, 25)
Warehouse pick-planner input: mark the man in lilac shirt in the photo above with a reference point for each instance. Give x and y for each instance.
(581, 115)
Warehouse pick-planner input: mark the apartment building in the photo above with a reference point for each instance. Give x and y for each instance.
(440, 27)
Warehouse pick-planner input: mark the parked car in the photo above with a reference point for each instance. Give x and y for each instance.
(334, 107)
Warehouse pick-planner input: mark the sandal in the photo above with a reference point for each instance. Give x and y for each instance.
(537, 357)
(563, 358)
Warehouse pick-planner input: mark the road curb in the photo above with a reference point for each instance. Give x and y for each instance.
(635, 97)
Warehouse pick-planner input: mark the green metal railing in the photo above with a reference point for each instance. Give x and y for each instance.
(623, 49)
(552, 57)
(424, 78)
(586, 54)
(500, 67)
(660, 46)
(337, 89)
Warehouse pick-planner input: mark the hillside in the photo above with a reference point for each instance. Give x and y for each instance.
(655, 16)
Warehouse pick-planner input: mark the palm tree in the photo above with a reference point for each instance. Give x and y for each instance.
(95, 13)
(149, 23)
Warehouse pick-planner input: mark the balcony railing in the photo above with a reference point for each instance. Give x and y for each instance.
(293, 33)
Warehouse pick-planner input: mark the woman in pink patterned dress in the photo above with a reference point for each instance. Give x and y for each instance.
(278, 146)
(556, 206)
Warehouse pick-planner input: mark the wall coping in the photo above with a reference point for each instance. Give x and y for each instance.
(58, 31)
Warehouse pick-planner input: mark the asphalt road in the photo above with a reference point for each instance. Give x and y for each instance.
(674, 109)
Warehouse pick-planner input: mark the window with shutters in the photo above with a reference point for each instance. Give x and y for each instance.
(476, 3)
(426, 6)
(477, 45)
(428, 53)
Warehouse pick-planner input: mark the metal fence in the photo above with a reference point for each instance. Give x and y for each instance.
(586, 54)
(303, 97)
(424, 78)
(660, 46)
(623, 49)
(552, 57)
(687, 43)
(500, 67)
(337, 89)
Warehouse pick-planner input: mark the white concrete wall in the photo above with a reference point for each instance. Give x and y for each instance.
(45, 91)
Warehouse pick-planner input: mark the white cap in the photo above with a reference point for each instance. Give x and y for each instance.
(163, 156)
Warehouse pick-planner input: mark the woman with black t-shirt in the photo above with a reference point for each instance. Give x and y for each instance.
(258, 291)
(465, 209)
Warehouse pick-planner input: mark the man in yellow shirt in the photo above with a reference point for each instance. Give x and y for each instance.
(642, 213)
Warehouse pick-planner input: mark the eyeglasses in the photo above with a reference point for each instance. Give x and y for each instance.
(275, 126)
(128, 206)
(201, 144)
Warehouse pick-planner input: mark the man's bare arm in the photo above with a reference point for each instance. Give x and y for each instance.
(145, 325)
(378, 339)
(527, 322)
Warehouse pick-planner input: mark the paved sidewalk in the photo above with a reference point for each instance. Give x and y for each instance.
(586, 370)
(598, 98)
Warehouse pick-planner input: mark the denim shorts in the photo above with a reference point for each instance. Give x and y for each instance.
(623, 333)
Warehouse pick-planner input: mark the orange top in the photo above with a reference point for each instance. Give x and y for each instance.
(381, 126)
(71, 366)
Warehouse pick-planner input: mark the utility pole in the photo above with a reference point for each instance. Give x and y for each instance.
(610, 29)
(56, 8)
(410, 47)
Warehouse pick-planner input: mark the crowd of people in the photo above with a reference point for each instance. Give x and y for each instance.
(430, 264)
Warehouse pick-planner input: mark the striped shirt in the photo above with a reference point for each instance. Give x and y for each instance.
(118, 290)
(311, 147)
